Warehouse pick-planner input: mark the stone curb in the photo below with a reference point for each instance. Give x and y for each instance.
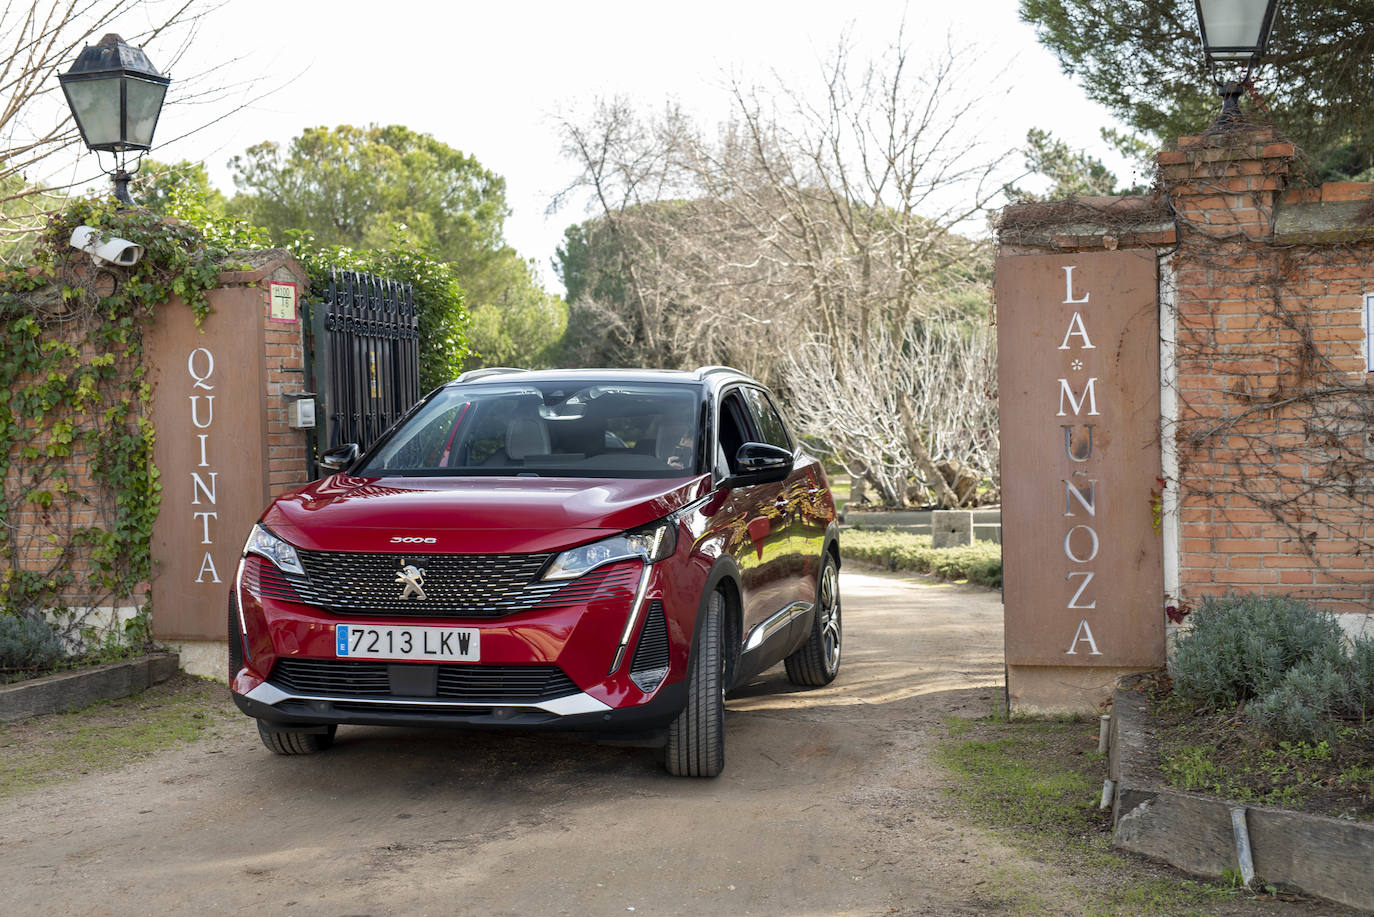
(74, 690)
(1326, 857)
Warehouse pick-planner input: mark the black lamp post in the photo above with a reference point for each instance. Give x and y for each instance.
(115, 94)
(1234, 33)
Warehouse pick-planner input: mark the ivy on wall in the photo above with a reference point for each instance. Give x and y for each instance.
(80, 491)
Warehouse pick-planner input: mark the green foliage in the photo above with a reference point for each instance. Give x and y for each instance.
(375, 188)
(1281, 774)
(81, 397)
(1280, 656)
(525, 328)
(1143, 60)
(183, 192)
(21, 207)
(1072, 173)
(1242, 647)
(405, 206)
(159, 186)
(28, 643)
(980, 562)
(439, 301)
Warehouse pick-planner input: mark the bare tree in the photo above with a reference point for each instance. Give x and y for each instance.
(836, 219)
(40, 38)
(921, 397)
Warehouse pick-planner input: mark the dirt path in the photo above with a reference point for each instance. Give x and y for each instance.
(829, 805)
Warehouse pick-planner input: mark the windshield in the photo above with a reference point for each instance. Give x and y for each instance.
(554, 429)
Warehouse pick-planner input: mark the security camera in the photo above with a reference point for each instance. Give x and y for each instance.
(110, 251)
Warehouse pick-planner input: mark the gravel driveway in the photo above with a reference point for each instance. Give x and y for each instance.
(829, 805)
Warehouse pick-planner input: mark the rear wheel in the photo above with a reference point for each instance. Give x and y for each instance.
(696, 739)
(818, 661)
(284, 742)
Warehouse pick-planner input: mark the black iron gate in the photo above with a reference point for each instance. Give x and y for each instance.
(366, 354)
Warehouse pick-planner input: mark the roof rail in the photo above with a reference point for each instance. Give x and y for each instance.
(702, 372)
(473, 375)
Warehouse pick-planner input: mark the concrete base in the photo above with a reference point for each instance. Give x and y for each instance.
(206, 658)
(1054, 690)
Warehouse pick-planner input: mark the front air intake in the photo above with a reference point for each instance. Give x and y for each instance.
(650, 664)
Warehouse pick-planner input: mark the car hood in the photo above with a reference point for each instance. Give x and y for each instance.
(471, 515)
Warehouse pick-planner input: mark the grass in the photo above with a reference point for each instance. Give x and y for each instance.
(1037, 782)
(980, 562)
(109, 734)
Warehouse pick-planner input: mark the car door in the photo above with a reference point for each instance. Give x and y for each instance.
(800, 561)
(756, 520)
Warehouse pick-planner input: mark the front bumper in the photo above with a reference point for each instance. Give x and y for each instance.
(583, 642)
(576, 712)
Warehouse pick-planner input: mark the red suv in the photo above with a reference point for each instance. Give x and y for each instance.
(598, 550)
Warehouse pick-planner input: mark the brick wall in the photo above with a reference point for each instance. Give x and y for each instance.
(1270, 415)
(40, 535)
(1273, 429)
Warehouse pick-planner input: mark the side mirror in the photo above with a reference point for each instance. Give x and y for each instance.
(760, 463)
(339, 458)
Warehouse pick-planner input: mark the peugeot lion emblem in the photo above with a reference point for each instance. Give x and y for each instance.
(413, 577)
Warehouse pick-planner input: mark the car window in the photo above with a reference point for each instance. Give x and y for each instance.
(732, 431)
(770, 425)
(636, 430)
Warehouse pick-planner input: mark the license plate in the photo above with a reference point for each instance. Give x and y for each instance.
(441, 644)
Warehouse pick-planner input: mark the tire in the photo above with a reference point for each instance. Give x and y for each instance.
(295, 743)
(817, 662)
(696, 739)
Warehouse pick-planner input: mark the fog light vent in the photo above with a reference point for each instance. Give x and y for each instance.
(650, 664)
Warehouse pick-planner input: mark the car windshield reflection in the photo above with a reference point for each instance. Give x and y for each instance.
(619, 430)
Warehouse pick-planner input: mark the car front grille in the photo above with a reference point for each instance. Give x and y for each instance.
(454, 585)
(479, 684)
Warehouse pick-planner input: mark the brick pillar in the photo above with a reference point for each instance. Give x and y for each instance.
(1225, 186)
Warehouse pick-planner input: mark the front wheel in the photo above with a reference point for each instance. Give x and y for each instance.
(817, 662)
(696, 739)
(285, 742)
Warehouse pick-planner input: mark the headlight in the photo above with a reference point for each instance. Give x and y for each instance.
(650, 544)
(264, 543)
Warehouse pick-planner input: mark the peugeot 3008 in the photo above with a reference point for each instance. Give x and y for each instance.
(599, 550)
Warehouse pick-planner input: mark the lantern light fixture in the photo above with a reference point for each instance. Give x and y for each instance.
(115, 94)
(1234, 35)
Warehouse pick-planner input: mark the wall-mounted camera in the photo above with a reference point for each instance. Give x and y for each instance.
(107, 251)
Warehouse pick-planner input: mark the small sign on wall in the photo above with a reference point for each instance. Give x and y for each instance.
(282, 302)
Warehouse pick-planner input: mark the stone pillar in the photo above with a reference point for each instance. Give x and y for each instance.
(951, 528)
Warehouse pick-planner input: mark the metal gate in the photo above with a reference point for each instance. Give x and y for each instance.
(366, 352)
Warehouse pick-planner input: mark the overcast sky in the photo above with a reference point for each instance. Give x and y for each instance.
(488, 78)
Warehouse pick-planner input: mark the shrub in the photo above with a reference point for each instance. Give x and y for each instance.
(980, 562)
(1242, 647)
(1280, 656)
(28, 643)
(1307, 702)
